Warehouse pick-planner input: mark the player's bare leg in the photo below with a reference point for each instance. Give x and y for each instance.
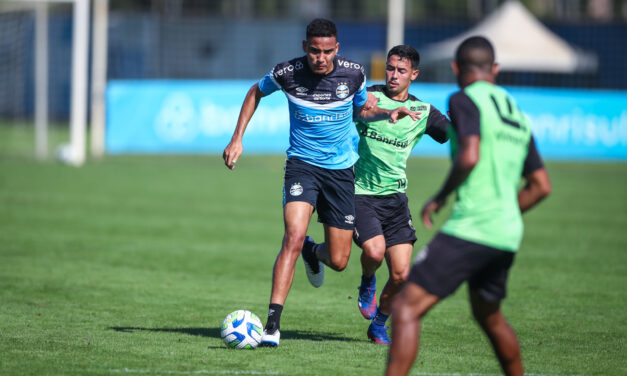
(408, 308)
(398, 259)
(296, 216)
(500, 333)
(372, 255)
(336, 249)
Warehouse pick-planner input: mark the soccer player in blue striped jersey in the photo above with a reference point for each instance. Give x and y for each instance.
(323, 91)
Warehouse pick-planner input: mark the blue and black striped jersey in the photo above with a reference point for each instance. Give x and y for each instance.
(322, 132)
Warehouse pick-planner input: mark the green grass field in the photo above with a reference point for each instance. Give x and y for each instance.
(128, 266)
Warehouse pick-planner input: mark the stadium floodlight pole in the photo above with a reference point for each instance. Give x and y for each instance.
(99, 76)
(78, 111)
(396, 23)
(41, 81)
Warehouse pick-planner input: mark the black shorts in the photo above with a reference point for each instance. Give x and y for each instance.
(383, 215)
(331, 192)
(447, 261)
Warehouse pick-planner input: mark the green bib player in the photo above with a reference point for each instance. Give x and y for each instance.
(383, 223)
(492, 147)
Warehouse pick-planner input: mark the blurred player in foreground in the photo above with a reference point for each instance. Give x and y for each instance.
(492, 147)
(322, 89)
(383, 223)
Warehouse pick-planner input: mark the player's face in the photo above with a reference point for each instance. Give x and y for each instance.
(320, 53)
(398, 75)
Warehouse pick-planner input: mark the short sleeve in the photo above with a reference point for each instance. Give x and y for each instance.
(268, 84)
(464, 115)
(437, 125)
(361, 95)
(533, 161)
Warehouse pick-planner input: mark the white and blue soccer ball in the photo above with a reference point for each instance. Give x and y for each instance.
(241, 329)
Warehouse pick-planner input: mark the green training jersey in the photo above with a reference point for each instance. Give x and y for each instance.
(384, 147)
(486, 210)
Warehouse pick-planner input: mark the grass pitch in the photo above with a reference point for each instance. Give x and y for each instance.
(129, 265)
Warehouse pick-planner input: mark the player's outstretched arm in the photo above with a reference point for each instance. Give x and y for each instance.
(234, 149)
(537, 188)
(371, 112)
(466, 159)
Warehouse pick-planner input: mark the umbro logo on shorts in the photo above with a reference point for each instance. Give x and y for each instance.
(349, 219)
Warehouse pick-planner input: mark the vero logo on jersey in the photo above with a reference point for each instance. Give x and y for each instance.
(282, 71)
(348, 64)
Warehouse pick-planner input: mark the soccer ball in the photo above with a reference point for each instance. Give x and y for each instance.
(241, 330)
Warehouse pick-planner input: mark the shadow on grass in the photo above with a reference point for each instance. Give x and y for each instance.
(215, 333)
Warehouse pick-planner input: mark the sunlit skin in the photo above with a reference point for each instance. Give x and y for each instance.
(320, 52)
(398, 76)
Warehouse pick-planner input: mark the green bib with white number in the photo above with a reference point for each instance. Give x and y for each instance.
(486, 210)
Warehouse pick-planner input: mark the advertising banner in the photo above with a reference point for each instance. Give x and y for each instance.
(200, 116)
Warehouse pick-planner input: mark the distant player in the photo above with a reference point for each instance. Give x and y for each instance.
(322, 90)
(383, 224)
(492, 147)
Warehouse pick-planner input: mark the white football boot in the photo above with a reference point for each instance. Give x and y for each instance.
(270, 340)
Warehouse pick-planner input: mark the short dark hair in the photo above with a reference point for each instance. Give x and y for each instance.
(404, 51)
(321, 27)
(475, 53)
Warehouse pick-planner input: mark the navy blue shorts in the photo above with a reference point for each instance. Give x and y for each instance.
(330, 192)
(447, 261)
(386, 215)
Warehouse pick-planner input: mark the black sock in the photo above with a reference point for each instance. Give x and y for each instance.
(274, 317)
(366, 280)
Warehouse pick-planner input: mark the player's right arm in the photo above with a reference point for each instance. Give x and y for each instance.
(371, 112)
(538, 184)
(465, 120)
(234, 149)
(465, 161)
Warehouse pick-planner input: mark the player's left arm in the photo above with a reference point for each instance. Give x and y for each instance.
(538, 184)
(465, 122)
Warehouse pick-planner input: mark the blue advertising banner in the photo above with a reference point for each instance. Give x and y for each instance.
(200, 116)
(189, 117)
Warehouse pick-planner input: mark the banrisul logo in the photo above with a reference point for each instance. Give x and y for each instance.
(382, 138)
(342, 90)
